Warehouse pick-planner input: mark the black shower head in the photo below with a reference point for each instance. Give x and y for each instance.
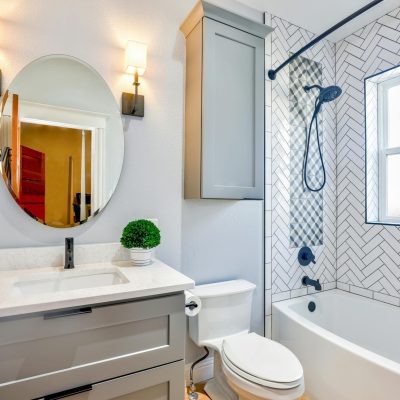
(325, 94)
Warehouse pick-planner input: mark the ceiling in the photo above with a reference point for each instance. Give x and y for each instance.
(319, 15)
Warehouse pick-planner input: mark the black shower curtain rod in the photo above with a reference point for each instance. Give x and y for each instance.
(273, 72)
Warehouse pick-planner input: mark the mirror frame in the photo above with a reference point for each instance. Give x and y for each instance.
(120, 131)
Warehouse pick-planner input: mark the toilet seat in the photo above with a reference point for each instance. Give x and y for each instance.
(249, 390)
(262, 361)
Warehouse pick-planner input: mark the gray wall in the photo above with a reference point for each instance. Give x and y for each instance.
(223, 240)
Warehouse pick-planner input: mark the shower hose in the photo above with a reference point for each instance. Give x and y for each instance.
(314, 118)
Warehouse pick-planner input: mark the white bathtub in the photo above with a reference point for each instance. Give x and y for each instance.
(349, 347)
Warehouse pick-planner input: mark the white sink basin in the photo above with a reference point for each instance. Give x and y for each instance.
(69, 280)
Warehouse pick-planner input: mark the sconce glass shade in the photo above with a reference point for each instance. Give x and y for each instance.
(135, 57)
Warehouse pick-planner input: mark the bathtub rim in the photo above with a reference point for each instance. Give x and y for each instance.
(372, 357)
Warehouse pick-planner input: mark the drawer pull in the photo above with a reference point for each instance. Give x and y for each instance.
(67, 313)
(68, 393)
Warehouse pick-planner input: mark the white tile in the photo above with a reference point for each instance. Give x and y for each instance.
(329, 285)
(268, 198)
(298, 292)
(268, 46)
(268, 302)
(343, 286)
(268, 63)
(268, 171)
(268, 326)
(268, 250)
(268, 223)
(361, 291)
(311, 290)
(268, 93)
(268, 144)
(387, 299)
(268, 119)
(268, 276)
(280, 296)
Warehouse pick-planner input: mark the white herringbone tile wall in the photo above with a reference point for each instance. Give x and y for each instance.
(368, 255)
(285, 270)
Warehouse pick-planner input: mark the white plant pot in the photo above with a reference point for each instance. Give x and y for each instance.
(141, 257)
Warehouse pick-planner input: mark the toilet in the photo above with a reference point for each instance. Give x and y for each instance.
(247, 366)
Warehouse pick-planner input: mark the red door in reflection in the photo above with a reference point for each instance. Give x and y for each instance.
(32, 189)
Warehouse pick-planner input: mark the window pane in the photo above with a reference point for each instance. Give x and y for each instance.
(393, 186)
(394, 116)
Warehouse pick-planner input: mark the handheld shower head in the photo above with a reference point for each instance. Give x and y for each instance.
(330, 93)
(327, 94)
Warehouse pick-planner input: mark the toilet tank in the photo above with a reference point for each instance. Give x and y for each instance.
(226, 310)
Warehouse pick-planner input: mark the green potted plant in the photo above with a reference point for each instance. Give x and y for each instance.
(140, 237)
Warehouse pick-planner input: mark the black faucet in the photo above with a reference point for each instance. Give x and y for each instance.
(306, 281)
(69, 253)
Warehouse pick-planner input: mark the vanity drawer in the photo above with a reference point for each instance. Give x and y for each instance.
(161, 383)
(93, 343)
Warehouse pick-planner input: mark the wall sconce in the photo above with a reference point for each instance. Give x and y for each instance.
(135, 63)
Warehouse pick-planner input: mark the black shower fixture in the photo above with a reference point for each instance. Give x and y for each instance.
(273, 72)
(326, 95)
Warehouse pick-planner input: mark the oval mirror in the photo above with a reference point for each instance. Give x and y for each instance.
(61, 141)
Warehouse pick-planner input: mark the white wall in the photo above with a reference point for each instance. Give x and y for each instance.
(96, 31)
(151, 184)
(286, 271)
(368, 255)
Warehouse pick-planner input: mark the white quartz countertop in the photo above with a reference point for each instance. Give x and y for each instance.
(138, 282)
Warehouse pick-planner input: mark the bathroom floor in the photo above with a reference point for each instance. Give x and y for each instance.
(200, 389)
(203, 396)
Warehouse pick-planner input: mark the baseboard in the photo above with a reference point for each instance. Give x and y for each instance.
(203, 371)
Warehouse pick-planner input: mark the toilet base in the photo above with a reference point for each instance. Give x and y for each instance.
(218, 388)
(215, 391)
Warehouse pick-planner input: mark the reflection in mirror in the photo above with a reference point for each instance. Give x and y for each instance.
(382, 118)
(61, 141)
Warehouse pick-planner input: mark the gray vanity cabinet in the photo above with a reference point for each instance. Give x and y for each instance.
(161, 383)
(107, 351)
(224, 122)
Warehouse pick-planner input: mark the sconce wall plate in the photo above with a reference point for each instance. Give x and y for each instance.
(130, 107)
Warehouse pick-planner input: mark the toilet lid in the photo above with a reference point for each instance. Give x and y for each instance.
(266, 361)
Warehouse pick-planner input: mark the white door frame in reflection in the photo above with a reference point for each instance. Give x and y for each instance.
(62, 117)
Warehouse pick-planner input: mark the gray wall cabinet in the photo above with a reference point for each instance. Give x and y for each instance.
(224, 122)
(141, 341)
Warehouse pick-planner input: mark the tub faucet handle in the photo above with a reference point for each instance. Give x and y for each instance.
(306, 256)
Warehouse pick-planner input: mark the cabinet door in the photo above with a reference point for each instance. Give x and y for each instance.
(233, 113)
(72, 347)
(162, 383)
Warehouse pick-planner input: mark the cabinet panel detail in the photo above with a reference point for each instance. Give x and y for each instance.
(224, 111)
(69, 352)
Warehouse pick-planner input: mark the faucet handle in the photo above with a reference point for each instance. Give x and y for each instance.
(69, 243)
(69, 253)
(306, 256)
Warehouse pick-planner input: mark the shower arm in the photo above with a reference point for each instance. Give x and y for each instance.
(273, 72)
